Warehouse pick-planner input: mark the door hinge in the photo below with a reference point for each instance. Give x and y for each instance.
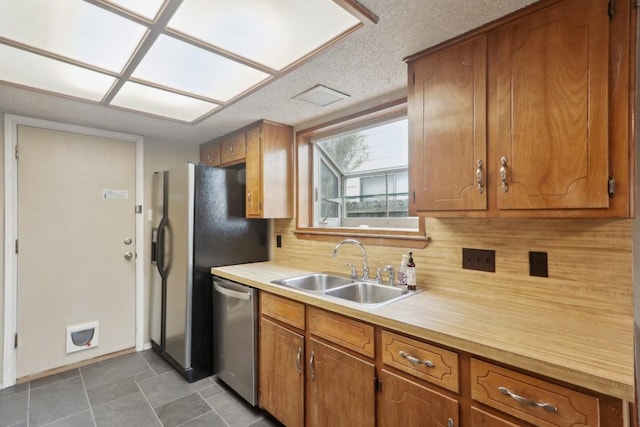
(17, 245)
(413, 78)
(611, 186)
(138, 209)
(612, 9)
(17, 152)
(15, 341)
(377, 384)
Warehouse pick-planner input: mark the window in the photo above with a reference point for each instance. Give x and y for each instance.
(361, 176)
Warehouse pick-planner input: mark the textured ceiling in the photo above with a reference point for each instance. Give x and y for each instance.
(368, 65)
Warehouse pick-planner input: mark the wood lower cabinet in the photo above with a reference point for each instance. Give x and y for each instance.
(404, 402)
(480, 418)
(340, 388)
(281, 373)
(531, 399)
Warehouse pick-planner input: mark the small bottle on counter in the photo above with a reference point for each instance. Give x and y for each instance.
(411, 273)
(402, 271)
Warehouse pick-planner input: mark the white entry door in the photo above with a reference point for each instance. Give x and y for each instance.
(76, 245)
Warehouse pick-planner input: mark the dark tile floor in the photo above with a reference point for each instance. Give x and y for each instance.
(137, 390)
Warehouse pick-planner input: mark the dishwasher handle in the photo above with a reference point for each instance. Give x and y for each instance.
(231, 293)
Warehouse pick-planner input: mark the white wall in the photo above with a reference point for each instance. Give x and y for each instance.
(158, 155)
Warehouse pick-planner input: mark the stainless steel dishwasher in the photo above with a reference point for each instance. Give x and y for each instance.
(235, 337)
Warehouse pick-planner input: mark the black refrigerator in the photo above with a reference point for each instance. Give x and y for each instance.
(198, 223)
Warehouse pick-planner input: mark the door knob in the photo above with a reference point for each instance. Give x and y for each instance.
(128, 241)
(128, 256)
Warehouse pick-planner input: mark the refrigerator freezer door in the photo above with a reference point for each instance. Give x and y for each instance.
(156, 320)
(179, 264)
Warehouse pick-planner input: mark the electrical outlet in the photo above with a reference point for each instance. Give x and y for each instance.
(538, 265)
(479, 259)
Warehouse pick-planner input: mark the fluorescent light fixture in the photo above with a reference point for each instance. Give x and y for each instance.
(321, 96)
(182, 66)
(28, 69)
(162, 103)
(273, 33)
(146, 8)
(176, 59)
(72, 29)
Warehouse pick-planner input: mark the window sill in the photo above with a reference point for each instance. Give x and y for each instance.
(377, 237)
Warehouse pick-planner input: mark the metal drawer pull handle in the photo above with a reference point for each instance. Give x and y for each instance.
(416, 361)
(480, 187)
(298, 358)
(503, 175)
(313, 371)
(546, 406)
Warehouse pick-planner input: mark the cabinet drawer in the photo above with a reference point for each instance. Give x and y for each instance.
(282, 309)
(427, 362)
(349, 333)
(233, 149)
(531, 399)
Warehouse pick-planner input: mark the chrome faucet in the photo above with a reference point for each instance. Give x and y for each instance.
(365, 266)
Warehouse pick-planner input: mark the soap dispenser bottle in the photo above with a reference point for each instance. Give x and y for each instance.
(411, 273)
(402, 271)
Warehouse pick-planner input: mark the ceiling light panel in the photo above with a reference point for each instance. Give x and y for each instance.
(28, 69)
(158, 102)
(72, 29)
(175, 64)
(145, 8)
(273, 33)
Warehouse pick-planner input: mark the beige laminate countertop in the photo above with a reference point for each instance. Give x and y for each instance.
(592, 353)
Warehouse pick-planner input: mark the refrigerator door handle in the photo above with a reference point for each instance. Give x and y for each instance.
(231, 293)
(160, 248)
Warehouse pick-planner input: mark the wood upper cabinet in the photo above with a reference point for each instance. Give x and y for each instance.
(269, 162)
(447, 115)
(266, 149)
(233, 148)
(210, 153)
(555, 138)
(551, 98)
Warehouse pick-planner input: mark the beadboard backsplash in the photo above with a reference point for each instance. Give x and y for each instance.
(589, 261)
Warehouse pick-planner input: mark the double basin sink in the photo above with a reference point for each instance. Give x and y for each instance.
(366, 293)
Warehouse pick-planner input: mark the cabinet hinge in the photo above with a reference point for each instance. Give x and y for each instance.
(377, 384)
(611, 186)
(612, 9)
(413, 78)
(15, 341)
(17, 152)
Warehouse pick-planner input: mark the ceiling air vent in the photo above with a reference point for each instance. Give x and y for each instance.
(321, 96)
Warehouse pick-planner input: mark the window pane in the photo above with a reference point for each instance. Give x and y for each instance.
(329, 192)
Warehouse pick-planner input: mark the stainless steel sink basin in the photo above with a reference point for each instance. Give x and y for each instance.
(369, 293)
(314, 282)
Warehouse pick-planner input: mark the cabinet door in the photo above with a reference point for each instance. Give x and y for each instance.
(233, 149)
(551, 127)
(254, 173)
(281, 373)
(339, 388)
(479, 418)
(210, 153)
(407, 403)
(447, 112)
